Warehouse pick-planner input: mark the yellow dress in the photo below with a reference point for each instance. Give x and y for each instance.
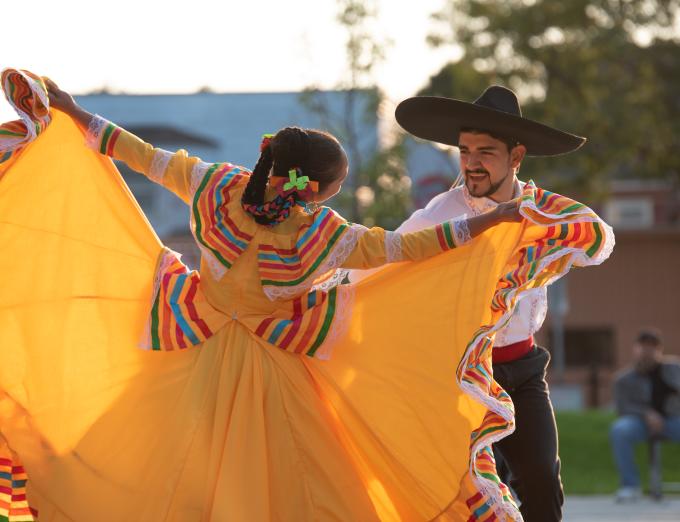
(267, 392)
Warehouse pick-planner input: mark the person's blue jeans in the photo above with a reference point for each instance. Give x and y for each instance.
(628, 430)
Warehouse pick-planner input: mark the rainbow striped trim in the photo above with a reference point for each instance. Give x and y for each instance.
(180, 314)
(213, 207)
(445, 235)
(109, 138)
(573, 236)
(13, 504)
(309, 325)
(102, 135)
(27, 94)
(320, 247)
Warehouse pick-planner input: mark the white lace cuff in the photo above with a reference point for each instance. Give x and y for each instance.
(393, 251)
(95, 130)
(461, 232)
(197, 174)
(159, 164)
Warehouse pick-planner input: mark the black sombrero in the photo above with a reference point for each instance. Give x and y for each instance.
(496, 110)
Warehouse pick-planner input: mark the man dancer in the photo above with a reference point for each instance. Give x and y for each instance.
(493, 139)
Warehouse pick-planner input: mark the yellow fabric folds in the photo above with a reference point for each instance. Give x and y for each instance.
(235, 429)
(396, 426)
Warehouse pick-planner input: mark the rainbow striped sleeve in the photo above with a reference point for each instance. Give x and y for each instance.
(180, 314)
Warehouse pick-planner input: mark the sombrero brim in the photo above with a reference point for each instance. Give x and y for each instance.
(440, 119)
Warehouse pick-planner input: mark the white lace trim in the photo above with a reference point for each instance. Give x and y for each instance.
(28, 120)
(481, 205)
(217, 269)
(344, 305)
(167, 258)
(591, 217)
(159, 164)
(94, 131)
(393, 250)
(577, 258)
(526, 320)
(197, 174)
(342, 250)
(476, 205)
(35, 89)
(608, 241)
(336, 279)
(461, 231)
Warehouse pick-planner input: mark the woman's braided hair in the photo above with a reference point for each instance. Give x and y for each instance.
(314, 153)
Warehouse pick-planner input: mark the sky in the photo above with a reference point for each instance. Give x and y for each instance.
(149, 46)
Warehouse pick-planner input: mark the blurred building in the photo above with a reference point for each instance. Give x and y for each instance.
(432, 169)
(639, 286)
(216, 127)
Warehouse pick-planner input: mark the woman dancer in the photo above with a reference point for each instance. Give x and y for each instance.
(244, 424)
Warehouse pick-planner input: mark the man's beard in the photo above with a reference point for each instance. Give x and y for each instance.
(493, 187)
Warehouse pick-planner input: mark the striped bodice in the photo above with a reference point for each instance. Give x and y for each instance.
(285, 308)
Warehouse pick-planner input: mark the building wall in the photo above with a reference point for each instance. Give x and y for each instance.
(639, 286)
(223, 127)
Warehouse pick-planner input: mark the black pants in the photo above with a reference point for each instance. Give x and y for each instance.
(531, 451)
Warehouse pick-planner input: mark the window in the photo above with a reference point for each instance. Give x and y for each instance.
(630, 213)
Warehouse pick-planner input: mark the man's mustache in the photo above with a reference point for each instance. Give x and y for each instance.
(476, 172)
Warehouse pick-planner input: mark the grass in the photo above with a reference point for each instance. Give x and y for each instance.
(587, 463)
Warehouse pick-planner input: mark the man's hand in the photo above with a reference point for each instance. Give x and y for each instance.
(655, 422)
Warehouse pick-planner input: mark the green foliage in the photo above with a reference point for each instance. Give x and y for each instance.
(377, 191)
(605, 69)
(587, 463)
(384, 175)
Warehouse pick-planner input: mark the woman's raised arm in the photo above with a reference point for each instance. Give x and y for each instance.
(377, 247)
(172, 170)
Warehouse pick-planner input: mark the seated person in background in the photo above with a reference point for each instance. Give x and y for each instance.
(647, 397)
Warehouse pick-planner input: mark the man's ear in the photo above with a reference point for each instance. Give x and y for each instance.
(517, 155)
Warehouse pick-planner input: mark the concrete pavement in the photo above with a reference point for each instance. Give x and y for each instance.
(604, 509)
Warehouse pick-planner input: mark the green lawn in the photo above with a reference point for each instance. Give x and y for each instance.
(587, 463)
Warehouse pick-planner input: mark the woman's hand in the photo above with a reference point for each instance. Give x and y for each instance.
(60, 99)
(508, 212)
(64, 102)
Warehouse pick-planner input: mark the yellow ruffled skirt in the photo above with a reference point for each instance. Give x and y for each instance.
(235, 429)
(396, 426)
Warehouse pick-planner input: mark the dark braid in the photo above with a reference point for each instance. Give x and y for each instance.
(313, 153)
(254, 192)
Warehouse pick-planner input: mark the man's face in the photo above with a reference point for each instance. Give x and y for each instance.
(646, 355)
(488, 165)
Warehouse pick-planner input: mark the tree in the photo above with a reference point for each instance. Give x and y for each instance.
(377, 191)
(606, 69)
